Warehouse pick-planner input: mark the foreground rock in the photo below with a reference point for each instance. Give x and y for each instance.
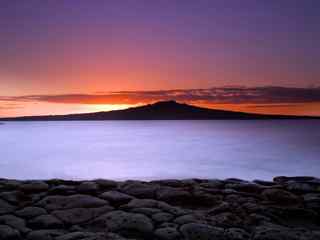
(287, 208)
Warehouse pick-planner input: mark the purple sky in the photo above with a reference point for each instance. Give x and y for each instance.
(88, 46)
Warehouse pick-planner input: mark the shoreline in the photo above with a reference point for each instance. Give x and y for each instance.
(230, 209)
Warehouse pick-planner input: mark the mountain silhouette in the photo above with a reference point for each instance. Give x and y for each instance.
(164, 110)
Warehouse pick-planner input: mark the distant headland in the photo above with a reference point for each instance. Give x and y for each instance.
(163, 110)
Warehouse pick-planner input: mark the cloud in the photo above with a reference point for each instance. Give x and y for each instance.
(217, 95)
(9, 106)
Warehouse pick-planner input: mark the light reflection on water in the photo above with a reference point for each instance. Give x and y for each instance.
(159, 149)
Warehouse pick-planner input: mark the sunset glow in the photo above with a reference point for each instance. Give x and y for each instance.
(77, 48)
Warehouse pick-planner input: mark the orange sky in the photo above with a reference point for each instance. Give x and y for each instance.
(99, 48)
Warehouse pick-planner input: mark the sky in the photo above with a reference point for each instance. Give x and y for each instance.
(73, 56)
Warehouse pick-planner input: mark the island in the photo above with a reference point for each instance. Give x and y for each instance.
(163, 110)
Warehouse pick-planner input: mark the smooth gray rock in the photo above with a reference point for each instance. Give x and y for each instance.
(222, 207)
(10, 184)
(88, 187)
(83, 236)
(45, 234)
(80, 215)
(280, 196)
(203, 198)
(177, 211)
(196, 231)
(162, 217)
(303, 187)
(273, 232)
(73, 201)
(226, 219)
(169, 182)
(13, 197)
(116, 197)
(146, 211)
(143, 203)
(264, 183)
(34, 187)
(106, 184)
(245, 187)
(31, 212)
(236, 234)
(139, 189)
(212, 184)
(283, 179)
(14, 222)
(45, 222)
(8, 233)
(170, 194)
(120, 221)
(151, 203)
(167, 234)
(5, 207)
(189, 218)
(312, 200)
(62, 190)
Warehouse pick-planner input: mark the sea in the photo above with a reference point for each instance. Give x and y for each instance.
(148, 150)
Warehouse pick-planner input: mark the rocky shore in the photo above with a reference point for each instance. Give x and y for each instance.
(287, 208)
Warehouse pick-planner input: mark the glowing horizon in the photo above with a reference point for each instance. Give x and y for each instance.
(51, 48)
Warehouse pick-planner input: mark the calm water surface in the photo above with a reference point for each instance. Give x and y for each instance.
(159, 149)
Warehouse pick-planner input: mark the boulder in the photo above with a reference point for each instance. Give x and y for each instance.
(142, 203)
(139, 189)
(201, 197)
(106, 184)
(14, 197)
(88, 187)
(236, 234)
(264, 183)
(45, 222)
(116, 197)
(226, 219)
(189, 218)
(62, 190)
(283, 179)
(281, 233)
(5, 207)
(132, 224)
(14, 222)
(167, 234)
(80, 215)
(89, 236)
(212, 184)
(222, 207)
(173, 195)
(169, 182)
(46, 234)
(10, 184)
(280, 196)
(8, 233)
(146, 211)
(73, 201)
(245, 187)
(31, 212)
(196, 231)
(34, 187)
(312, 200)
(162, 217)
(303, 187)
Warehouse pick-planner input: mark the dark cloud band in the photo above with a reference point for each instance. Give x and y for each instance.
(224, 95)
